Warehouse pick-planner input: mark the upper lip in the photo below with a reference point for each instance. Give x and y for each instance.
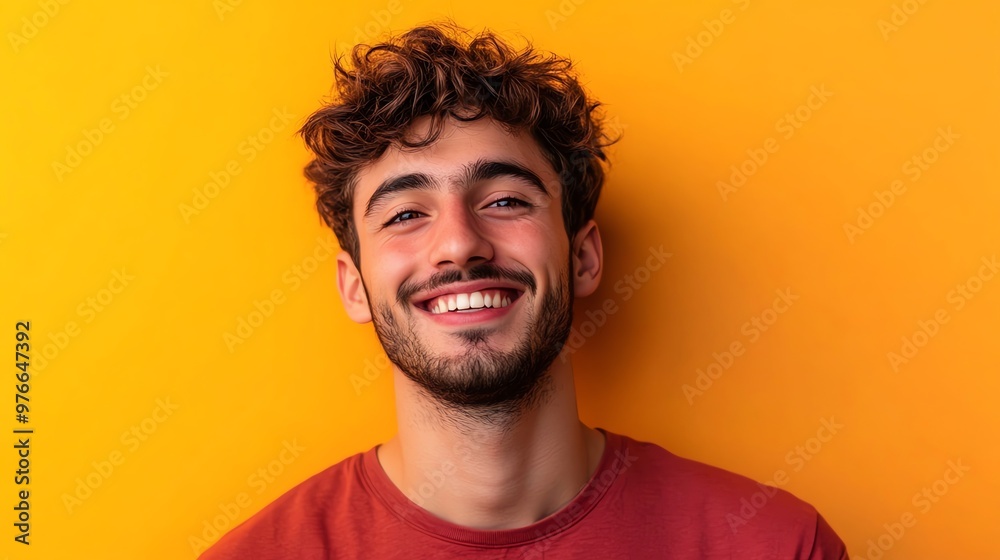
(465, 288)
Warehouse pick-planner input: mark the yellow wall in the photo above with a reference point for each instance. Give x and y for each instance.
(876, 204)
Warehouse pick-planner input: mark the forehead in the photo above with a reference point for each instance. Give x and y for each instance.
(459, 145)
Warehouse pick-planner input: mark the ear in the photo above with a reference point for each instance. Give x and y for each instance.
(588, 260)
(352, 289)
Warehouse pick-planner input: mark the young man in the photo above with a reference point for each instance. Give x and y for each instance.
(461, 178)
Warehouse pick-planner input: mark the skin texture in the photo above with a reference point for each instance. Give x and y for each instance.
(480, 392)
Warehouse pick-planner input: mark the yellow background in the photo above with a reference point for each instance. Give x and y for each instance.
(204, 78)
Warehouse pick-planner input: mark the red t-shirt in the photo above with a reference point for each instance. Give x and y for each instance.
(642, 502)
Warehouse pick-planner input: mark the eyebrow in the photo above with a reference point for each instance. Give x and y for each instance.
(475, 172)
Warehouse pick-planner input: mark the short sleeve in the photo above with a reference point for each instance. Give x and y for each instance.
(827, 545)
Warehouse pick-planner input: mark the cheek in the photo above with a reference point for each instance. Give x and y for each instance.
(548, 250)
(384, 270)
(539, 248)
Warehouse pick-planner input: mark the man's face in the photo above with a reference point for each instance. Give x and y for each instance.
(466, 264)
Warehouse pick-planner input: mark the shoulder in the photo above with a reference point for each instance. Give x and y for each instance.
(296, 522)
(713, 503)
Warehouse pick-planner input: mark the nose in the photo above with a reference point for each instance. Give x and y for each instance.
(458, 238)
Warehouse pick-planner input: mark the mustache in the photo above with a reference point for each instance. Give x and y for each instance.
(485, 271)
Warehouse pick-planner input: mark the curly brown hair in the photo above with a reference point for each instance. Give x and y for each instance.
(441, 71)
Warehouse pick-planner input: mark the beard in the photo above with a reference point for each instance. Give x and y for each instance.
(483, 384)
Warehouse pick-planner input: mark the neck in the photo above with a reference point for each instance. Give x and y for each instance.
(488, 472)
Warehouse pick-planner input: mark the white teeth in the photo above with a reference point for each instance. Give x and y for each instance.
(473, 300)
(476, 300)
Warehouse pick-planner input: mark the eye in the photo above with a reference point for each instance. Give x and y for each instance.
(509, 202)
(402, 216)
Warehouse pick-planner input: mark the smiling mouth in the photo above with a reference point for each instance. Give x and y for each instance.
(470, 301)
